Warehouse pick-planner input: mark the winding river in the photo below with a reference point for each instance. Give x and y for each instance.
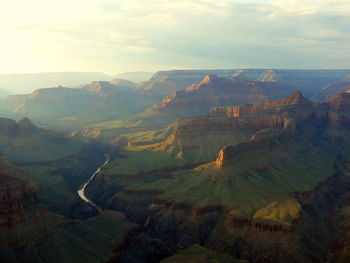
(81, 191)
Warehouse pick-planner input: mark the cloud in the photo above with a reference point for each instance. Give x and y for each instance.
(138, 49)
(299, 6)
(304, 7)
(112, 36)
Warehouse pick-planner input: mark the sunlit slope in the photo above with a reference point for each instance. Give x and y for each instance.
(256, 181)
(187, 142)
(195, 140)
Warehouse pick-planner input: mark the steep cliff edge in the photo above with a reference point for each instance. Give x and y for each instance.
(41, 217)
(16, 195)
(211, 91)
(192, 141)
(295, 100)
(195, 92)
(65, 108)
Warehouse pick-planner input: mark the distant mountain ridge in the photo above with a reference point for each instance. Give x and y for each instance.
(309, 81)
(212, 91)
(28, 82)
(332, 89)
(137, 76)
(63, 107)
(194, 93)
(173, 94)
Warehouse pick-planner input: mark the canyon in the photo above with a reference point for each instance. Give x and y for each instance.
(245, 192)
(245, 165)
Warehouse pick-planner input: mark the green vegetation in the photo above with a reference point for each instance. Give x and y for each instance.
(158, 149)
(56, 165)
(72, 108)
(38, 147)
(40, 207)
(198, 254)
(54, 238)
(257, 184)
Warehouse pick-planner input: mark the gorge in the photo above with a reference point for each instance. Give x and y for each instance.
(200, 175)
(81, 190)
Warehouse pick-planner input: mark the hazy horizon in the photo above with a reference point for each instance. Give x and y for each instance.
(170, 69)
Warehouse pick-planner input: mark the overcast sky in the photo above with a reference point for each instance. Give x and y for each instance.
(114, 36)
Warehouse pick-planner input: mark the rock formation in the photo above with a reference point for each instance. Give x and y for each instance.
(271, 158)
(16, 195)
(211, 91)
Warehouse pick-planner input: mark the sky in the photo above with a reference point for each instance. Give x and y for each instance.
(113, 36)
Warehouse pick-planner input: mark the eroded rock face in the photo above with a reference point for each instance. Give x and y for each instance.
(286, 145)
(175, 80)
(166, 82)
(223, 124)
(338, 114)
(106, 88)
(281, 115)
(16, 195)
(7, 126)
(331, 90)
(10, 127)
(341, 102)
(296, 99)
(334, 117)
(269, 75)
(263, 139)
(215, 91)
(224, 156)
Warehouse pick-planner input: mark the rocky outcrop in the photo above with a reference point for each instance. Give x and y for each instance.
(263, 139)
(296, 99)
(67, 108)
(255, 123)
(269, 75)
(341, 103)
(27, 127)
(209, 80)
(331, 90)
(215, 91)
(224, 156)
(16, 195)
(164, 83)
(24, 127)
(105, 88)
(174, 80)
(7, 126)
(338, 114)
(211, 91)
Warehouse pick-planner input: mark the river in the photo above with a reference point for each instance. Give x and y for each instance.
(81, 191)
